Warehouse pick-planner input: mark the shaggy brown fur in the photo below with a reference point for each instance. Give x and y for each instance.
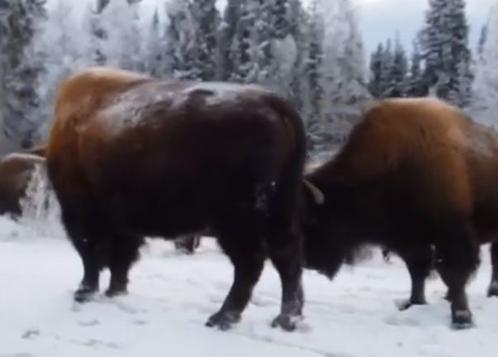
(130, 156)
(15, 173)
(415, 174)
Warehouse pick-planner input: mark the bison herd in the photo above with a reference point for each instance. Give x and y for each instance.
(130, 156)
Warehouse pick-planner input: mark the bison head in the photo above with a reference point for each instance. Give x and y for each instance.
(323, 250)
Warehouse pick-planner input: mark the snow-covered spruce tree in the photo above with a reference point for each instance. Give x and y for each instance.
(227, 32)
(447, 57)
(415, 85)
(313, 76)
(284, 33)
(19, 70)
(243, 54)
(399, 71)
(375, 83)
(121, 42)
(262, 47)
(485, 89)
(155, 62)
(280, 18)
(206, 22)
(180, 40)
(344, 69)
(299, 23)
(55, 44)
(482, 40)
(386, 69)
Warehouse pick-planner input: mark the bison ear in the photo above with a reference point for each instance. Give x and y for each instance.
(316, 193)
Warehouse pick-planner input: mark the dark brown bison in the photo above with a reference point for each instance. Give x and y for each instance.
(419, 178)
(130, 156)
(16, 171)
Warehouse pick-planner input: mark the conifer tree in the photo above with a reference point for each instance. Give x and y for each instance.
(20, 68)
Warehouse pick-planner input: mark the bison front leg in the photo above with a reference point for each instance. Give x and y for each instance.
(124, 252)
(419, 263)
(247, 256)
(493, 287)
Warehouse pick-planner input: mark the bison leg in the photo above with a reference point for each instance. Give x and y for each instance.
(247, 255)
(419, 263)
(91, 244)
(287, 260)
(124, 252)
(493, 287)
(457, 258)
(93, 256)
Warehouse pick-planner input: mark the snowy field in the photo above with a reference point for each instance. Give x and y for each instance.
(172, 295)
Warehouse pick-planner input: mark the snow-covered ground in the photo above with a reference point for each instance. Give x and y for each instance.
(172, 295)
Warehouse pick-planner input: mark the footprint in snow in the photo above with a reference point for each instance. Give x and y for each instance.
(139, 322)
(89, 323)
(97, 343)
(30, 334)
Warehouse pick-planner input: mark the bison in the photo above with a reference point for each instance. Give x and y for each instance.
(16, 170)
(417, 177)
(130, 156)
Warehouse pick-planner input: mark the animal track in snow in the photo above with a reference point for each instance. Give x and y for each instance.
(89, 323)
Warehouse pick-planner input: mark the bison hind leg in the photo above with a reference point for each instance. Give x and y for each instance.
(94, 256)
(457, 257)
(287, 260)
(241, 239)
(85, 229)
(493, 286)
(124, 252)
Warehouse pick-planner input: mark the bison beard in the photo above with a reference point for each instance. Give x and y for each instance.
(420, 179)
(130, 156)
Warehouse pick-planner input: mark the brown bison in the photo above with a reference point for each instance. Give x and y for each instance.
(131, 156)
(15, 174)
(419, 178)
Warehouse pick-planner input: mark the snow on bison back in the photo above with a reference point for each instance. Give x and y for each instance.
(131, 156)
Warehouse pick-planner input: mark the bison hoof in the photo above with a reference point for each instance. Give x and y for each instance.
(493, 289)
(461, 319)
(286, 322)
(223, 320)
(403, 305)
(113, 292)
(84, 294)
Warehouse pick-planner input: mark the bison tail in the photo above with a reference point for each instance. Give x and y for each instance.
(290, 177)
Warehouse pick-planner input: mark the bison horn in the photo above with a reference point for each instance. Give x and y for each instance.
(317, 194)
